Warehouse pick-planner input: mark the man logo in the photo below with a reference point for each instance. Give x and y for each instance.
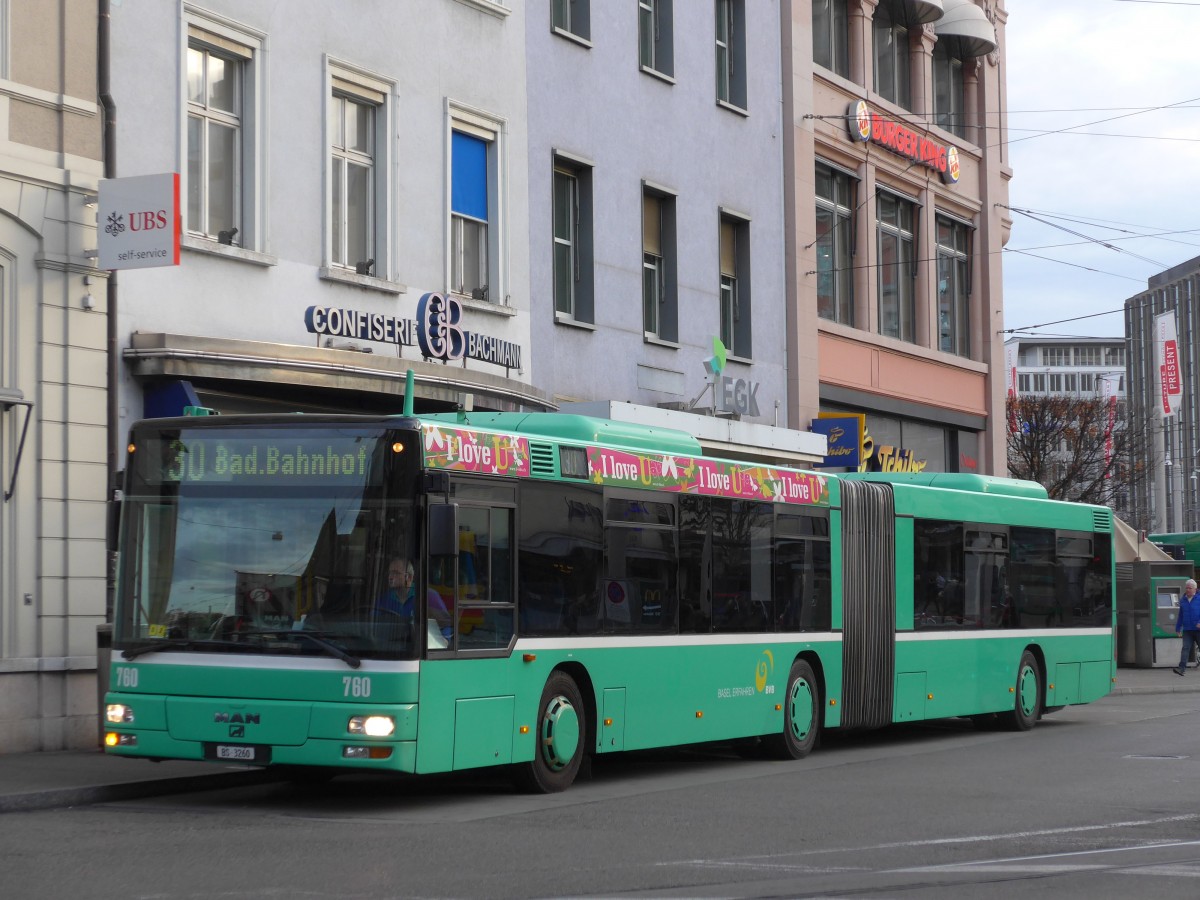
(237, 730)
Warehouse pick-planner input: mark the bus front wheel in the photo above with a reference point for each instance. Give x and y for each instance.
(561, 736)
(1027, 705)
(801, 716)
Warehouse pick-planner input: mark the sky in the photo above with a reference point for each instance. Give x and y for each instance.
(1121, 170)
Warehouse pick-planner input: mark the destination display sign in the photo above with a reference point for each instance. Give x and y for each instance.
(263, 457)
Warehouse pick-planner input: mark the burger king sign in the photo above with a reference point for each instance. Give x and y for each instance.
(864, 124)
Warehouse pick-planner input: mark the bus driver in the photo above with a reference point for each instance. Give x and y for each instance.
(401, 592)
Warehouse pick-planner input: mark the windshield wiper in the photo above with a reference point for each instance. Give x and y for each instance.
(332, 649)
(176, 643)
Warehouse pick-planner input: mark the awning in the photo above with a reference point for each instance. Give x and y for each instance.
(921, 12)
(964, 24)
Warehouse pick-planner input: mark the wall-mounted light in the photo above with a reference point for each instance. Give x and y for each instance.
(88, 301)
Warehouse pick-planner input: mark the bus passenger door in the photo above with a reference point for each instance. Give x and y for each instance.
(476, 584)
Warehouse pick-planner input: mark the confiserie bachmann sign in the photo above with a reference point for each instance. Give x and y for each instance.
(865, 125)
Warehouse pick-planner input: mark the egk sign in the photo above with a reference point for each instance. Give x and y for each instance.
(866, 125)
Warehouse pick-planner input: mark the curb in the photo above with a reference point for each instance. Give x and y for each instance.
(57, 798)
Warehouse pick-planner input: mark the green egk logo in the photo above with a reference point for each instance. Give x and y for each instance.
(730, 395)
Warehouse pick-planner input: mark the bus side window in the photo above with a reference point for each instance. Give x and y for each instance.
(560, 558)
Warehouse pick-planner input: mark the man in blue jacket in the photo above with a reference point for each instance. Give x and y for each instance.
(1188, 623)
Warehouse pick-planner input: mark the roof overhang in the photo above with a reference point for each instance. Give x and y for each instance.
(159, 355)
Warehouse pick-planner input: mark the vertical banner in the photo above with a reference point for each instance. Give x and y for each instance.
(1010, 375)
(1168, 362)
(1110, 405)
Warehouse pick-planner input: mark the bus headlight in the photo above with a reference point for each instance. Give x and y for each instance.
(118, 714)
(373, 726)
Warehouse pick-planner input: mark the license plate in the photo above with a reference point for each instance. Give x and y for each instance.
(233, 751)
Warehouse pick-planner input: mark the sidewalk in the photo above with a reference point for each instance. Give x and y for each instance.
(30, 781)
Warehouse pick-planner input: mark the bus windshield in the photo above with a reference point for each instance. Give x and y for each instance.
(268, 539)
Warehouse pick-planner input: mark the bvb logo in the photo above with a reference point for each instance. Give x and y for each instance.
(439, 328)
(763, 670)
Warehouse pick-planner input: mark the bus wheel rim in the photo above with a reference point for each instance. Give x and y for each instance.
(1028, 690)
(800, 709)
(560, 733)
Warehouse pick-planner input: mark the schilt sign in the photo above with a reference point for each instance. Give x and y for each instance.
(138, 222)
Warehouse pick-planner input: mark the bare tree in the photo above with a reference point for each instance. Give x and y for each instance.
(1078, 448)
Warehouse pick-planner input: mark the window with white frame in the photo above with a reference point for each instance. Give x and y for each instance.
(835, 244)
(1088, 356)
(475, 149)
(1056, 356)
(897, 268)
(572, 17)
(735, 285)
(731, 52)
(352, 179)
(655, 47)
(954, 286)
(659, 308)
(572, 187)
(221, 93)
(831, 35)
(892, 66)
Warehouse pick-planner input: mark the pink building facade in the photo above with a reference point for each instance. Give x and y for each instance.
(899, 172)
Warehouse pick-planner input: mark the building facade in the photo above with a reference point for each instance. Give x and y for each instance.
(332, 176)
(656, 202)
(52, 376)
(897, 153)
(1080, 368)
(1161, 324)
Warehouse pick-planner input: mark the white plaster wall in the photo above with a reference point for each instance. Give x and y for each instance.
(435, 51)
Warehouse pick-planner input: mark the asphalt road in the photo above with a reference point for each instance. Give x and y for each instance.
(1097, 801)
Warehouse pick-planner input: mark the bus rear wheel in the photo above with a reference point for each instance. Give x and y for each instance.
(801, 716)
(561, 736)
(1027, 706)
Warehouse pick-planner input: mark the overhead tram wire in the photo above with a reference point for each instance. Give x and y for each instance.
(1109, 312)
(1105, 244)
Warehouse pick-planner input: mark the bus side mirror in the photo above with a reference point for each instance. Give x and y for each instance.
(443, 529)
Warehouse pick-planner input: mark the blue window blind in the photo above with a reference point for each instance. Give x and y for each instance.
(468, 187)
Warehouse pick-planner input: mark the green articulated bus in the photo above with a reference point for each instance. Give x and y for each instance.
(443, 592)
